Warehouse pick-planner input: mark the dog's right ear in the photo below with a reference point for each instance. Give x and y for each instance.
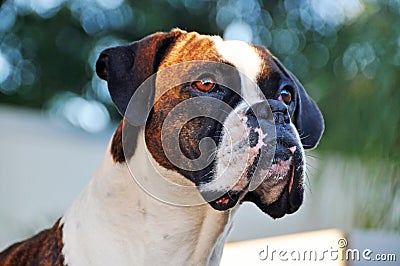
(125, 68)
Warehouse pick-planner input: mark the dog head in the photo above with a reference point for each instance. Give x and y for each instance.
(255, 111)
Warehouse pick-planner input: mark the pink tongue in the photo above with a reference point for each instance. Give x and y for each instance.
(223, 200)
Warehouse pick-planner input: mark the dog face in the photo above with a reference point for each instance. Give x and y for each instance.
(255, 112)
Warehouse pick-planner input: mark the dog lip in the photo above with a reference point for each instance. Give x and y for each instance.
(288, 201)
(292, 193)
(291, 196)
(226, 201)
(291, 178)
(295, 194)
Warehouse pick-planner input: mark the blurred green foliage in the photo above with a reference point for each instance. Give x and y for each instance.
(346, 53)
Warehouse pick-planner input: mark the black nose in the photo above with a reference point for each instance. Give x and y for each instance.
(267, 109)
(280, 111)
(260, 110)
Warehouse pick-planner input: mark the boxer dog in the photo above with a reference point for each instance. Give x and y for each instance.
(162, 194)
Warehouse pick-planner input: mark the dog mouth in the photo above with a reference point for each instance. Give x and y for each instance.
(283, 197)
(277, 190)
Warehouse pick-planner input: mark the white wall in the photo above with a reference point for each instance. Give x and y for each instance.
(42, 168)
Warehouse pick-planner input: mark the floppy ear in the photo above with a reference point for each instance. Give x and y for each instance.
(307, 117)
(125, 68)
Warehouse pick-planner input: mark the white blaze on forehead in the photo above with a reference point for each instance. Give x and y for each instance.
(245, 58)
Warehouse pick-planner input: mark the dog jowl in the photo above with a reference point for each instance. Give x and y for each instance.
(256, 113)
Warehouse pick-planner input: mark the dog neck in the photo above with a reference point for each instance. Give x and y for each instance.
(115, 222)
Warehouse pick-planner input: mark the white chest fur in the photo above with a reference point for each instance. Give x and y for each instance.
(114, 222)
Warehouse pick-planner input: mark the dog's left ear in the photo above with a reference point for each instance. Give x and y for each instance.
(307, 117)
(125, 68)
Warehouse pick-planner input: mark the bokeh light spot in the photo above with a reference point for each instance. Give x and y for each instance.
(110, 4)
(5, 68)
(285, 41)
(238, 30)
(91, 116)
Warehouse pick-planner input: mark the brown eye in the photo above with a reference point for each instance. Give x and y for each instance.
(286, 96)
(204, 84)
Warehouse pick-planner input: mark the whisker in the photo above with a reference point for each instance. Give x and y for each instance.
(207, 174)
(307, 184)
(313, 156)
(311, 166)
(304, 137)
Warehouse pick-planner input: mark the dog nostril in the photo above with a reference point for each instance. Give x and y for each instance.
(282, 117)
(260, 110)
(253, 138)
(287, 118)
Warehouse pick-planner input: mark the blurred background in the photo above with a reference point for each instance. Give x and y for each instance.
(56, 116)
